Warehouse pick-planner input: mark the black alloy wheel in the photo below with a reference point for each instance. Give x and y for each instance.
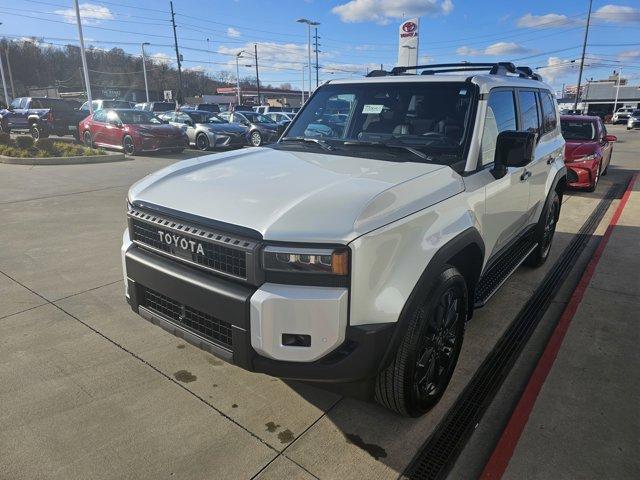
(549, 230)
(545, 231)
(128, 145)
(202, 142)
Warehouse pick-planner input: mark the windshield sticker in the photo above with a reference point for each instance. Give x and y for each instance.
(367, 109)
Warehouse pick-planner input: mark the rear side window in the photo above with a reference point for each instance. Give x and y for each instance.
(549, 119)
(528, 111)
(500, 116)
(100, 116)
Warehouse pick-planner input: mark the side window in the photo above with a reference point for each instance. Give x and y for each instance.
(24, 102)
(500, 116)
(549, 119)
(100, 116)
(16, 102)
(528, 111)
(112, 117)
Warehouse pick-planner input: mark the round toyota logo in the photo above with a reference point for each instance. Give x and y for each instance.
(409, 27)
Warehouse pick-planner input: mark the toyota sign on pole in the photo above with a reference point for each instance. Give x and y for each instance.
(408, 43)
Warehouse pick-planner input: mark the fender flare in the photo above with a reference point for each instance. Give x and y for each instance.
(425, 283)
(561, 174)
(31, 119)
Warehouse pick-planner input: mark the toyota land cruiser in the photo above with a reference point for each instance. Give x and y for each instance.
(352, 252)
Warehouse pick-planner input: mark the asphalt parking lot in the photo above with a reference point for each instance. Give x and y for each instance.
(91, 390)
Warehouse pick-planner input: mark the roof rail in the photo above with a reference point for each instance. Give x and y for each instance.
(494, 68)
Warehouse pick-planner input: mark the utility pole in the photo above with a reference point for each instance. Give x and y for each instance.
(316, 50)
(255, 48)
(615, 103)
(13, 90)
(584, 48)
(175, 41)
(84, 59)
(4, 84)
(302, 89)
(238, 55)
(144, 70)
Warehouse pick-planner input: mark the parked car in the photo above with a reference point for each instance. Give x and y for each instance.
(588, 149)
(100, 104)
(282, 118)
(356, 258)
(621, 115)
(40, 116)
(156, 107)
(261, 129)
(207, 130)
(206, 107)
(243, 108)
(634, 120)
(132, 131)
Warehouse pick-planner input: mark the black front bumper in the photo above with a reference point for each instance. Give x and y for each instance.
(228, 303)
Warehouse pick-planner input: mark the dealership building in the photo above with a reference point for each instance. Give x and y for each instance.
(602, 96)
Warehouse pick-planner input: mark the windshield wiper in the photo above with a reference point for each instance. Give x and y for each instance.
(400, 146)
(317, 141)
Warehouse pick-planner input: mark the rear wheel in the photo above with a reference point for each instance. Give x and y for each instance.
(544, 232)
(128, 146)
(202, 142)
(417, 377)
(87, 140)
(256, 138)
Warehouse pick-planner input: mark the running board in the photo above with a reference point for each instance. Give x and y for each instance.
(498, 273)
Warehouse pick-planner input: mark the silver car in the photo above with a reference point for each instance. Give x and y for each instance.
(207, 130)
(634, 120)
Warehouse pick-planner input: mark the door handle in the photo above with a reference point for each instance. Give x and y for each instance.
(526, 174)
(550, 160)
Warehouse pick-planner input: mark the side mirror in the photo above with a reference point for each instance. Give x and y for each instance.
(611, 138)
(513, 149)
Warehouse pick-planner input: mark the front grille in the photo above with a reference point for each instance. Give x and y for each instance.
(203, 324)
(211, 250)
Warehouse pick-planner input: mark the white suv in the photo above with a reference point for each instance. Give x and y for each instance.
(352, 252)
(622, 115)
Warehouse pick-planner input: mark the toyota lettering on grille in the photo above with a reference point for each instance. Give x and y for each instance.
(181, 242)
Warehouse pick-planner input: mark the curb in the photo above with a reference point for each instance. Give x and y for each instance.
(108, 157)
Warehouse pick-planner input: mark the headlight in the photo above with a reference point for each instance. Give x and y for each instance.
(327, 261)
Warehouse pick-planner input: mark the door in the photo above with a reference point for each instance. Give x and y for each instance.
(549, 149)
(185, 122)
(18, 116)
(113, 129)
(506, 198)
(98, 125)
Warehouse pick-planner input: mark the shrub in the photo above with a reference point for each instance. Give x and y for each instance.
(24, 141)
(5, 138)
(46, 144)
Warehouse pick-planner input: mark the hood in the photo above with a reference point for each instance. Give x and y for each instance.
(161, 130)
(579, 148)
(296, 196)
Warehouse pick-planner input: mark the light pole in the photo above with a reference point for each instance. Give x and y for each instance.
(310, 24)
(144, 70)
(238, 55)
(4, 83)
(615, 103)
(302, 89)
(84, 59)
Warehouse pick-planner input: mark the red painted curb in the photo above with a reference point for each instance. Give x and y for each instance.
(499, 460)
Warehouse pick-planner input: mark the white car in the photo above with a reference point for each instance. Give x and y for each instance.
(621, 115)
(634, 119)
(353, 258)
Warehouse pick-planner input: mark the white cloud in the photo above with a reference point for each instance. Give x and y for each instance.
(90, 13)
(629, 55)
(617, 14)
(496, 49)
(383, 11)
(544, 21)
(557, 68)
(233, 33)
(161, 59)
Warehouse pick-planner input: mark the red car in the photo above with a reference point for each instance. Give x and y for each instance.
(133, 131)
(588, 150)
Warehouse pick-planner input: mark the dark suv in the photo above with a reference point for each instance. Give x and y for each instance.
(41, 116)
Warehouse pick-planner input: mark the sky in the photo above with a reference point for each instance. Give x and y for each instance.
(355, 35)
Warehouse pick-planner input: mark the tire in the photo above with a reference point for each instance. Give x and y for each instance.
(545, 230)
(431, 343)
(255, 139)
(4, 128)
(128, 146)
(37, 132)
(594, 185)
(202, 142)
(86, 139)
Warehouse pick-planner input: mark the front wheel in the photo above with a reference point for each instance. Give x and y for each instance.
(37, 132)
(128, 146)
(202, 142)
(87, 140)
(544, 232)
(417, 377)
(256, 139)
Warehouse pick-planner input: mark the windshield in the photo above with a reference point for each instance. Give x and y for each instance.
(576, 130)
(115, 104)
(254, 117)
(138, 117)
(202, 117)
(163, 107)
(430, 117)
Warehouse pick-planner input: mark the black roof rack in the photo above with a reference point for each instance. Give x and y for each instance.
(494, 68)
